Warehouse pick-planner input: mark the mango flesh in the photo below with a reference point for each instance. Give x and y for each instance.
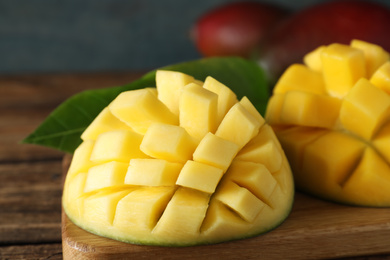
(194, 167)
(334, 129)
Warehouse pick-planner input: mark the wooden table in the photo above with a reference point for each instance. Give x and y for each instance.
(30, 176)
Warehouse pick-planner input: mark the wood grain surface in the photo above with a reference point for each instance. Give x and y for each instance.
(31, 189)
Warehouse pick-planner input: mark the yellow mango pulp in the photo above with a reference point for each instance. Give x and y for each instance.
(152, 172)
(292, 80)
(104, 122)
(337, 141)
(215, 151)
(256, 177)
(238, 126)
(82, 158)
(194, 167)
(199, 176)
(313, 59)
(226, 97)
(99, 208)
(274, 108)
(117, 145)
(342, 66)
(369, 106)
(174, 144)
(307, 109)
(374, 55)
(381, 77)
(198, 122)
(133, 107)
(263, 149)
(183, 216)
(146, 204)
(105, 175)
(169, 85)
(240, 200)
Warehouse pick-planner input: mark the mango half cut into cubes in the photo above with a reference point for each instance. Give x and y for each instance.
(185, 163)
(332, 117)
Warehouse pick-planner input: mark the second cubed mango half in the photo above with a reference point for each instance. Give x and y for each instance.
(331, 115)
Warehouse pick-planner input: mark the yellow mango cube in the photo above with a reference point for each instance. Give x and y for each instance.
(330, 159)
(255, 177)
(307, 109)
(199, 176)
(152, 172)
(168, 142)
(282, 188)
(198, 110)
(294, 141)
(381, 78)
(364, 109)
(73, 189)
(298, 77)
(342, 67)
(152, 90)
(183, 216)
(263, 149)
(106, 175)
(381, 141)
(313, 59)
(221, 221)
(215, 151)
(226, 97)
(117, 145)
(370, 181)
(374, 54)
(238, 126)
(240, 199)
(247, 104)
(146, 206)
(81, 158)
(104, 122)
(169, 85)
(141, 108)
(99, 209)
(274, 109)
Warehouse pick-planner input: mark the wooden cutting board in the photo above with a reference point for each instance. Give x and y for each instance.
(315, 229)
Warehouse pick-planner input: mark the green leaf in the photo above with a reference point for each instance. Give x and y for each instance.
(63, 127)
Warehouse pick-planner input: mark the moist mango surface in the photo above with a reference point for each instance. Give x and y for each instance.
(185, 163)
(332, 117)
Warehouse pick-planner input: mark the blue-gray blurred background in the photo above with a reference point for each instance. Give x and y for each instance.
(101, 35)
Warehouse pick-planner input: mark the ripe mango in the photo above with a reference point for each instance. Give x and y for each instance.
(331, 115)
(186, 163)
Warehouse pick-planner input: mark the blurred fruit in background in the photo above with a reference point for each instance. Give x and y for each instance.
(322, 24)
(235, 28)
(275, 39)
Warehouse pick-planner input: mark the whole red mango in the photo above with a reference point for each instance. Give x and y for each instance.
(235, 28)
(322, 24)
